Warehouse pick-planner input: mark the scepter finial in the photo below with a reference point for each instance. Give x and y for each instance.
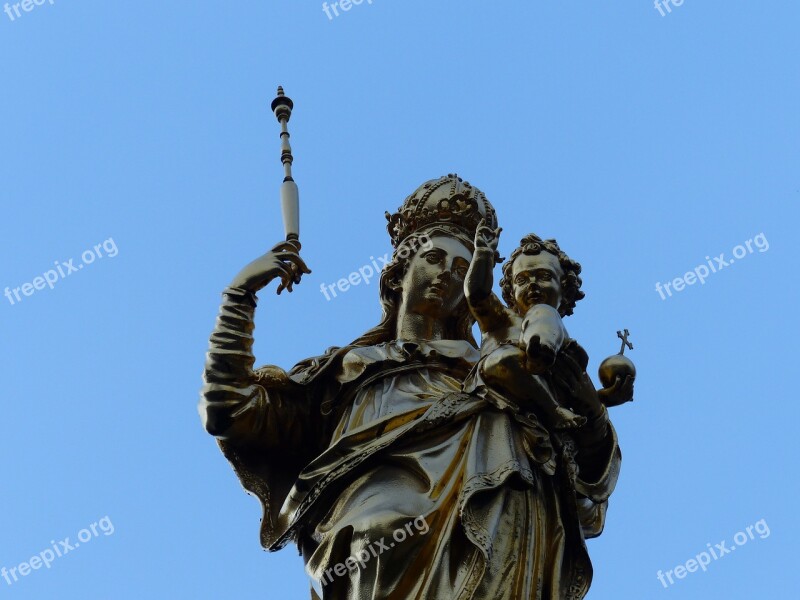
(282, 106)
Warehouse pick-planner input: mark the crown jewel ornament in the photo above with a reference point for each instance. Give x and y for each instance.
(449, 202)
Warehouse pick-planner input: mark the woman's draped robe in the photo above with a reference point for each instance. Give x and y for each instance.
(352, 447)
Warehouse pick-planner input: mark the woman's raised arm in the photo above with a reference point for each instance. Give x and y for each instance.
(236, 402)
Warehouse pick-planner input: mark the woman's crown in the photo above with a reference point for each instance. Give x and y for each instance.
(448, 201)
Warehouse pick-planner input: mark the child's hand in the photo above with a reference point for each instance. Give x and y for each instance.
(486, 237)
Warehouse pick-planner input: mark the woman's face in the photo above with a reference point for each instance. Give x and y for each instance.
(433, 284)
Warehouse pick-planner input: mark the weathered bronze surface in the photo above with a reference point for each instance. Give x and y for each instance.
(493, 462)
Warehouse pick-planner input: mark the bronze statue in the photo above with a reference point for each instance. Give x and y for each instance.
(412, 463)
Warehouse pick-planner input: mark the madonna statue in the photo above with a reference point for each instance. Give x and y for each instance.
(390, 463)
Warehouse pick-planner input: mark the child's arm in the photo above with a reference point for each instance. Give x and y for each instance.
(486, 307)
(479, 280)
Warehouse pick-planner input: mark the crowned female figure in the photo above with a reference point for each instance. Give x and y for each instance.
(347, 449)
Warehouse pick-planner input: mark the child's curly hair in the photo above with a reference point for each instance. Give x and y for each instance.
(531, 245)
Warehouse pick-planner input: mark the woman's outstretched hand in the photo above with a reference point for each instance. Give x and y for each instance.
(576, 385)
(282, 261)
(619, 393)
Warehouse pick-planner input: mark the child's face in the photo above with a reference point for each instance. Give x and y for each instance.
(536, 279)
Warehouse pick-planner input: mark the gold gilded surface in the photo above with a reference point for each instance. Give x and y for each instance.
(414, 463)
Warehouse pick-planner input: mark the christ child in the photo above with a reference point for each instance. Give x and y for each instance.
(521, 339)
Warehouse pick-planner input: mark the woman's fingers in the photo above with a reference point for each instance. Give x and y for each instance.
(286, 246)
(619, 393)
(294, 259)
(286, 275)
(615, 387)
(281, 261)
(285, 284)
(626, 389)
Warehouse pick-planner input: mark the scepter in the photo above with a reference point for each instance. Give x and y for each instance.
(290, 197)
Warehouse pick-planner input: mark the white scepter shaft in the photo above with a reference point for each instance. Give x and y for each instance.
(290, 198)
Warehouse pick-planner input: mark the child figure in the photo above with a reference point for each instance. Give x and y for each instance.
(521, 340)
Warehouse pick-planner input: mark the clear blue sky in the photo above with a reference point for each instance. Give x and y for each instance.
(643, 143)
